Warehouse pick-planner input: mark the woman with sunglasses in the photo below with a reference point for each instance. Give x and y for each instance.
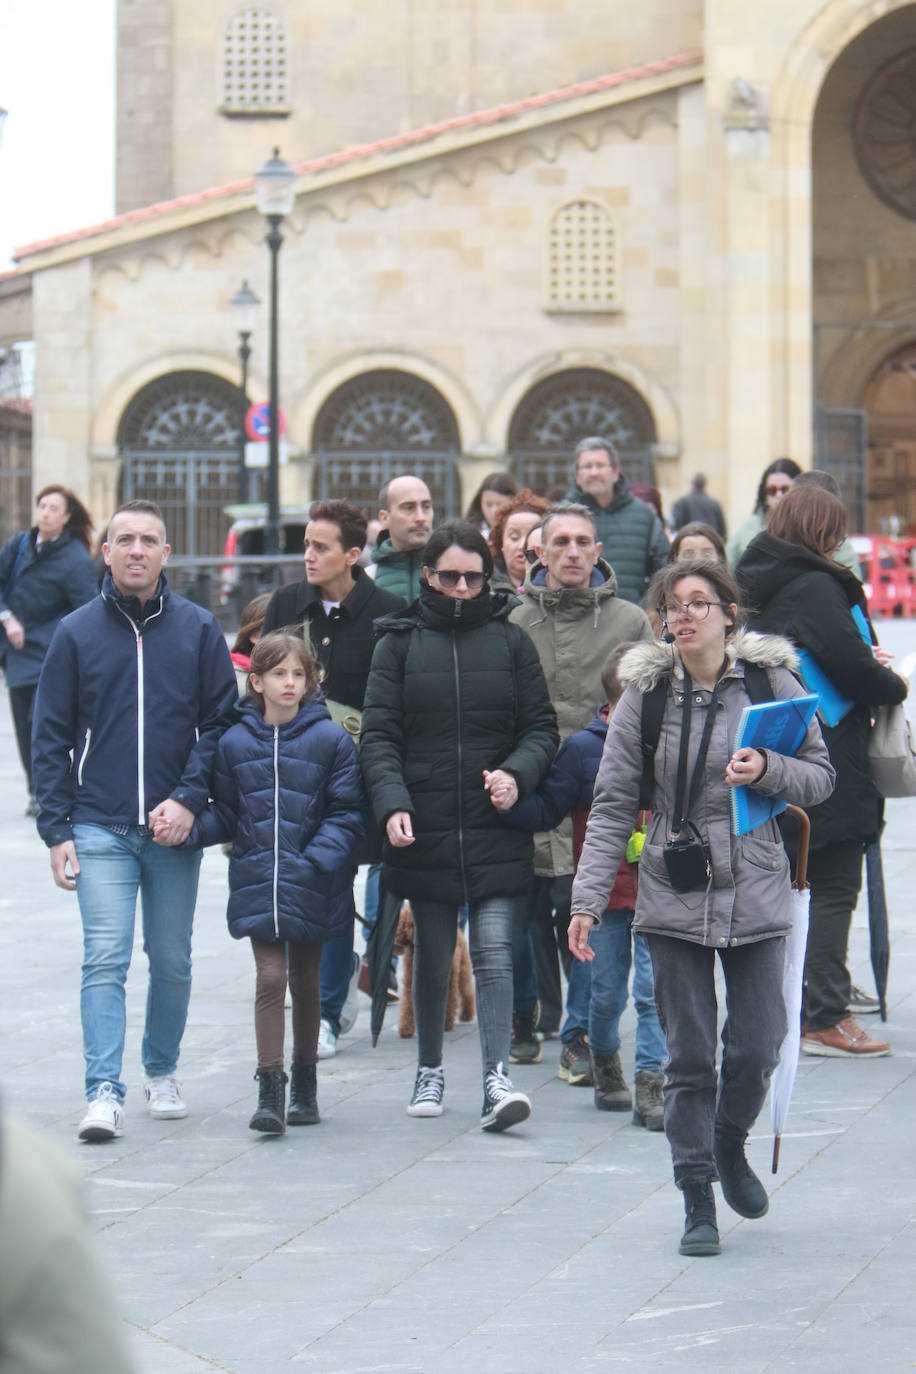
(775, 482)
(457, 721)
(703, 891)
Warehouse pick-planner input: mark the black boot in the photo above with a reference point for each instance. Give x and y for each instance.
(303, 1095)
(701, 1234)
(270, 1112)
(741, 1187)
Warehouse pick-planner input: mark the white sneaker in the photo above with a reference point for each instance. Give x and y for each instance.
(164, 1098)
(350, 1009)
(104, 1118)
(327, 1041)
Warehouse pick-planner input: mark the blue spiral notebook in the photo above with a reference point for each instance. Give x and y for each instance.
(779, 726)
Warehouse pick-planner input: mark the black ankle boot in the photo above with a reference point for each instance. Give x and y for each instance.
(741, 1187)
(270, 1112)
(303, 1096)
(701, 1234)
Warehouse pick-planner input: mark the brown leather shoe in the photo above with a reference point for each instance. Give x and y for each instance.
(845, 1040)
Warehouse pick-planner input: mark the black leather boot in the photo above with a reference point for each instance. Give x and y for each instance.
(741, 1187)
(701, 1234)
(303, 1095)
(270, 1113)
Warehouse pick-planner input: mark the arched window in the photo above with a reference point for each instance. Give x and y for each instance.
(583, 272)
(556, 413)
(255, 74)
(179, 440)
(378, 425)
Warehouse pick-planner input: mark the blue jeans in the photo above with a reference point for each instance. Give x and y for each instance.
(113, 869)
(337, 961)
(490, 945)
(597, 993)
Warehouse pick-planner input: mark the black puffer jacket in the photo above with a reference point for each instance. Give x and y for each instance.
(791, 591)
(454, 689)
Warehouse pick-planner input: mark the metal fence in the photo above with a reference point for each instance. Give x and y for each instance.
(225, 585)
(192, 489)
(358, 474)
(841, 448)
(551, 471)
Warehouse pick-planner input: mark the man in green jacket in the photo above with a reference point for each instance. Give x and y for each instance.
(406, 511)
(631, 535)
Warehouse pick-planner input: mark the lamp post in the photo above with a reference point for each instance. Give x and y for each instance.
(274, 189)
(245, 303)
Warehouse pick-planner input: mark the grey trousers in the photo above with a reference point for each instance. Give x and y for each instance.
(754, 1029)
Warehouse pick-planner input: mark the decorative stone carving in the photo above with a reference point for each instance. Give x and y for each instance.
(884, 133)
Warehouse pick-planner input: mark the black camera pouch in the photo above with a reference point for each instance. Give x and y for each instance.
(688, 862)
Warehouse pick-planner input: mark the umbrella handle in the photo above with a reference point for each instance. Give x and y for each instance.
(804, 835)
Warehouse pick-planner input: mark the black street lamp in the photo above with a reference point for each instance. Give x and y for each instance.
(275, 191)
(245, 303)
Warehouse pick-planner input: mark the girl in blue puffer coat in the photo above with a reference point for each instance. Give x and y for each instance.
(286, 787)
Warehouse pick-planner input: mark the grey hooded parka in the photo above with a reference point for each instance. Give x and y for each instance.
(748, 896)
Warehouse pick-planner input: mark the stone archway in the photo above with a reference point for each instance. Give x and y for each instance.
(889, 401)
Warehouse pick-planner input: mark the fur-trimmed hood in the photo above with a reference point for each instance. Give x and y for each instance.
(646, 663)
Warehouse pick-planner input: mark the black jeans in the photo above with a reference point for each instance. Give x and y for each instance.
(22, 703)
(835, 876)
(754, 1029)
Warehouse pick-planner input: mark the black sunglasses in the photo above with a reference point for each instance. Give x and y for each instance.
(449, 578)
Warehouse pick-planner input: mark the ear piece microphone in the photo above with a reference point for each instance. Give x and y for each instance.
(667, 637)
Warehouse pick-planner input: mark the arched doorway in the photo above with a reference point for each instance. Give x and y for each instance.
(890, 404)
(863, 159)
(179, 442)
(379, 424)
(568, 406)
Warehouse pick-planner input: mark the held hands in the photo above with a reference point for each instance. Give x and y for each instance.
(579, 948)
(63, 855)
(745, 766)
(502, 787)
(399, 829)
(14, 632)
(170, 823)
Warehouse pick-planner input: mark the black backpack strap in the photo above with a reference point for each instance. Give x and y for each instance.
(757, 683)
(653, 708)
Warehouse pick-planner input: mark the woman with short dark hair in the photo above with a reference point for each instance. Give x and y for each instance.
(457, 722)
(777, 478)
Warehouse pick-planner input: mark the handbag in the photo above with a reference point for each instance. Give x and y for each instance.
(892, 752)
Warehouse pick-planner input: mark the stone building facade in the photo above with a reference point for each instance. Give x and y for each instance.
(513, 225)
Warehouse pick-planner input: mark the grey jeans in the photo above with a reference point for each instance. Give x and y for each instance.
(754, 1029)
(490, 945)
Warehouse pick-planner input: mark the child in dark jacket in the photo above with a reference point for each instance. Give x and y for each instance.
(597, 992)
(287, 789)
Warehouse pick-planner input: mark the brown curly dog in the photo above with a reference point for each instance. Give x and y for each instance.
(460, 1003)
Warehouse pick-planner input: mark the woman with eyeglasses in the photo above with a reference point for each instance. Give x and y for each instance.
(703, 891)
(457, 721)
(774, 484)
(790, 575)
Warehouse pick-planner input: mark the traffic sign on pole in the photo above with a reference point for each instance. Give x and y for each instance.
(257, 421)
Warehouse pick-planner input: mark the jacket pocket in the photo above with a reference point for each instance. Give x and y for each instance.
(83, 756)
(766, 854)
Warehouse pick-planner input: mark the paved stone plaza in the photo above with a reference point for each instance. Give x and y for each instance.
(378, 1242)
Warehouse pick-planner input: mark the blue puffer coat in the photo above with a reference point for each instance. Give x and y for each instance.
(292, 798)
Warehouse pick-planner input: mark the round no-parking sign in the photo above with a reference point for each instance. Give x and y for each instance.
(257, 421)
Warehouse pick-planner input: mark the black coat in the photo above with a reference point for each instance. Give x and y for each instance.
(455, 689)
(50, 582)
(791, 591)
(344, 640)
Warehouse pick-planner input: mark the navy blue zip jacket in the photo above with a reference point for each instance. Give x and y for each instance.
(291, 796)
(570, 782)
(129, 709)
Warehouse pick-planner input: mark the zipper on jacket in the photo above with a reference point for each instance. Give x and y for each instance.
(79, 771)
(141, 733)
(276, 828)
(464, 881)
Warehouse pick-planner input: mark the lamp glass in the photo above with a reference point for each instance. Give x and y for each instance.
(275, 186)
(245, 303)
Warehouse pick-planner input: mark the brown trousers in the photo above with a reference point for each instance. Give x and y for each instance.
(273, 974)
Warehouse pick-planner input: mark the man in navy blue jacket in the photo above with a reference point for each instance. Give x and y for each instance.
(135, 691)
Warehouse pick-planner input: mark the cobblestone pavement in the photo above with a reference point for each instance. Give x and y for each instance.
(379, 1242)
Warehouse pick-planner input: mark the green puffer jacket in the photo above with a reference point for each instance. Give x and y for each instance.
(454, 689)
(574, 629)
(633, 539)
(396, 570)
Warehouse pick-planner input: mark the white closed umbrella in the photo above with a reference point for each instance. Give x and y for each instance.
(783, 1079)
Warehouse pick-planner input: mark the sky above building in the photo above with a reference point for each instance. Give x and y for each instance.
(57, 84)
